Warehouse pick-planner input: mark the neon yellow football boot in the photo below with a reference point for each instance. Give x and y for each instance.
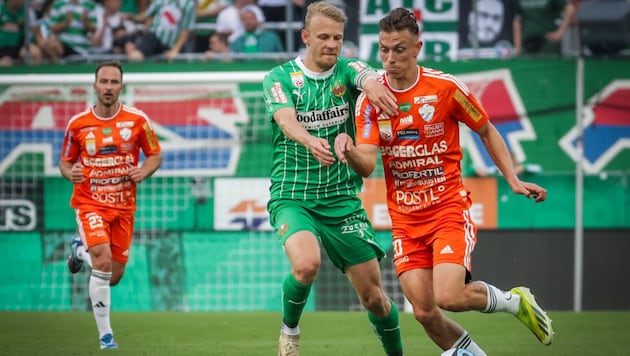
(533, 316)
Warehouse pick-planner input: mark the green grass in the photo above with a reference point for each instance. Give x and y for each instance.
(323, 334)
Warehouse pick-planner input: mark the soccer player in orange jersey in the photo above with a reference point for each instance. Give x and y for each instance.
(433, 234)
(100, 156)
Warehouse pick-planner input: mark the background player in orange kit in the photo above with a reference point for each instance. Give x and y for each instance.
(433, 234)
(100, 155)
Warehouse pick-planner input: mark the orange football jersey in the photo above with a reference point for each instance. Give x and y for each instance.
(420, 146)
(107, 147)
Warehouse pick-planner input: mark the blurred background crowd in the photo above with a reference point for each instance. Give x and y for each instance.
(33, 32)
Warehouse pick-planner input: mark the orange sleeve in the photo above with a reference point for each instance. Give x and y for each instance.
(70, 148)
(468, 109)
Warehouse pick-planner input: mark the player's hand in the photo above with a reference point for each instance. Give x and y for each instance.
(531, 190)
(76, 173)
(343, 144)
(320, 148)
(380, 97)
(135, 173)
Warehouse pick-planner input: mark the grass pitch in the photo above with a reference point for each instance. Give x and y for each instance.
(323, 334)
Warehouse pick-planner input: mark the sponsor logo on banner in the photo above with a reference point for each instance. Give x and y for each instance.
(606, 128)
(241, 204)
(498, 94)
(17, 215)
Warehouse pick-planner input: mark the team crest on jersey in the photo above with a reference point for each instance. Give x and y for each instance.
(125, 134)
(283, 229)
(426, 111)
(90, 144)
(385, 129)
(339, 90)
(297, 78)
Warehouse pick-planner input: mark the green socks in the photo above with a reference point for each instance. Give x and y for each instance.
(294, 296)
(388, 331)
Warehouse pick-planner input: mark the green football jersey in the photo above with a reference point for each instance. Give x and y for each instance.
(325, 104)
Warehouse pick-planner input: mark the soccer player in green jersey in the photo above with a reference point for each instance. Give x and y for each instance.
(314, 200)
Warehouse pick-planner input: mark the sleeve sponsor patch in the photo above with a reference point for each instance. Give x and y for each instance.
(149, 135)
(278, 94)
(470, 109)
(358, 66)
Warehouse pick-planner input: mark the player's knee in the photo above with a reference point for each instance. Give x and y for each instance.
(306, 271)
(448, 301)
(375, 301)
(426, 317)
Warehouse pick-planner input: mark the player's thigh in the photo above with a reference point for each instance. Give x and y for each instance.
(417, 285)
(454, 242)
(94, 225)
(287, 217)
(411, 250)
(122, 235)
(347, 234)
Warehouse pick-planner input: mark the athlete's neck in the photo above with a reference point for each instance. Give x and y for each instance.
(106, 111)
(406, 81)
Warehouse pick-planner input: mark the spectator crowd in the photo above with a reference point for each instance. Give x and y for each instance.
(53, 31)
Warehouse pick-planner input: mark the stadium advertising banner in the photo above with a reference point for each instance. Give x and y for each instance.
(213, 130)
(20, 205)
(447, 28)
(483, 192)
(241, 204)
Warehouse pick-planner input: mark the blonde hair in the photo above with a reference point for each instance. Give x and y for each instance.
(323, 8)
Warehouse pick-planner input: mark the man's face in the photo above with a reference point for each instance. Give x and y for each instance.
(489, 20)
(399, 53)
(323, 40)
(217, 45)
(250, 23)
(108, 86)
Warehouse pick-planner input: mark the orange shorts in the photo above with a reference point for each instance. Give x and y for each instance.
(113, 226)
(450, 239)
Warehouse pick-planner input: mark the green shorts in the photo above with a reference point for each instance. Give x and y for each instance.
(340, 223)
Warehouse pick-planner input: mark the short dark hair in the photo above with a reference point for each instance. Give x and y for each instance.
(399, 19)
(114, 64)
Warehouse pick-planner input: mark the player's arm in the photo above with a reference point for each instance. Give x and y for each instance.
(72, 171)
(380, 96)
(320, 148)
(500, 154)
(361, 158)
(150, 165)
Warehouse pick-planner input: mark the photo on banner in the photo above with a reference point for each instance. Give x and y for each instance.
(489, 27)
